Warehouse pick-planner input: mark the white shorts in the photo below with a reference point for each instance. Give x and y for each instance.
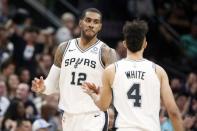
(95, 121)
(133, 129)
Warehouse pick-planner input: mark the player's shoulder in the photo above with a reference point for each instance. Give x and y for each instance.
(105, 47)
(108, 55)
(160, 71)
(159, 68)
(109, 72)
(107, 51)
(63, 44)
(59, 53)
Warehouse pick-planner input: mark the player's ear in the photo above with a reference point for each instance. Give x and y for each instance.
(124, 43)
(80, 23)
(100, 27)
(145, 44)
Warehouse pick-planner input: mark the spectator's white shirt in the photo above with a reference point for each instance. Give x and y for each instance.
(63, 34)
(4, 103)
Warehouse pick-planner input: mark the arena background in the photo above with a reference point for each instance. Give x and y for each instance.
(30, 31)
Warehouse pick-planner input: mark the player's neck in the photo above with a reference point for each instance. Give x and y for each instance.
(84, 43)
(134, 56)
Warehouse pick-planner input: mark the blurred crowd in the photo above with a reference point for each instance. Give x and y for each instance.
(27, 51)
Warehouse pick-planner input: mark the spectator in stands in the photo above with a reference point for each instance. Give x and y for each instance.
(9, 125)
(193, 89)
(48, 114)
(65, 33)
(193, 106)
(191, 79)
(182, 102)
(19, 21)
(12, 84)
(7, 68)
(47, 39)
(23, 93)
(24, 125)
(45, 64)
(69, 20)
(190, 43)
(121, 50)
(4, 9)
(15, 112)
(6, 47)
(56, 116)
(30, 49)
(141, 8)
(40, 125)
(24, 75)
(4, 102)
(189, 122)
(175, 85)
(17, 35)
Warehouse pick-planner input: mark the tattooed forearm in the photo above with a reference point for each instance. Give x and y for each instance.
(59, 54)
(108, 55)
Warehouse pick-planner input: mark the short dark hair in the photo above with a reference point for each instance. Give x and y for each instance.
(134, 34)
(90, 10)
(6, 63)
(31, 29)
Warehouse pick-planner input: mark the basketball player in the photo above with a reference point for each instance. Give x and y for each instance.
(78, 60)
(137, 86)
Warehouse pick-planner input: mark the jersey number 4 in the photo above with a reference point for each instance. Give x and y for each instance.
(134, 93)
(81, 77)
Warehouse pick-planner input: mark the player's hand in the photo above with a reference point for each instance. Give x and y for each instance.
(90, 88)
(38, 85)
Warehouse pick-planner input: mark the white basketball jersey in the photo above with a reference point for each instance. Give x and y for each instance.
(136, 93)
(77, 67)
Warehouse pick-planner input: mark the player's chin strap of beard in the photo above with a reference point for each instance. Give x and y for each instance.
(52, 81)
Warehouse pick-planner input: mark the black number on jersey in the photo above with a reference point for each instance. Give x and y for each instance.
(134, 93)
(80, 78)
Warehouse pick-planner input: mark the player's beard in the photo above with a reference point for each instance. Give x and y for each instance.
(88, 37)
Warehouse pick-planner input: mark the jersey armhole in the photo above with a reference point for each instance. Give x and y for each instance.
(116, 66)
(68, 43)
(154, 67)
(156, 73)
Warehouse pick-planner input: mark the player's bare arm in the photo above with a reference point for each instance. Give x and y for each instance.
(108, 55)
(168, 100)
(104, 97)
(38, 84)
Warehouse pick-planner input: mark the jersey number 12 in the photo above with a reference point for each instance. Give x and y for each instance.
(81, 77)
(134, 93)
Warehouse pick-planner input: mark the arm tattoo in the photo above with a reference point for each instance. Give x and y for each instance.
(108, 55)
(112, 56)
(59, 54)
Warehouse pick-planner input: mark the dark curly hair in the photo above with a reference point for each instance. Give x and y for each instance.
(134, 34)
